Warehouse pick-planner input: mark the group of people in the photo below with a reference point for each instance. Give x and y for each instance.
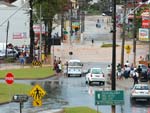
(128, 71)
(57, 65)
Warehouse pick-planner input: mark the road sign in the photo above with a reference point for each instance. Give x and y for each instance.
(20, 98)
(37, 103)
(37, 92)
(9, 78)
(109, 97)
(128, 49)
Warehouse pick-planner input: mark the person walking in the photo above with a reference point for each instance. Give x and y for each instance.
(148, 74)
(119, 70)
(92, 41)
(109, 69)
(139, 70)
(135, 76)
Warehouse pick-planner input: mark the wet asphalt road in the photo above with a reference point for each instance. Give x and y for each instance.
(73, 91)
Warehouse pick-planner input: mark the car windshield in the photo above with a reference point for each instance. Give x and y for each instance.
(75, 64)
(96, 71)
(141, 88)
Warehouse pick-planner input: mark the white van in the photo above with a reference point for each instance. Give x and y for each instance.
(74, 68)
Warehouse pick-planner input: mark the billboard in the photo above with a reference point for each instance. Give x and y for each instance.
(143, 34)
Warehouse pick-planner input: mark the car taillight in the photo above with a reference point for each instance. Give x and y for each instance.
(91, 75)
(133, 91)
(103, 75)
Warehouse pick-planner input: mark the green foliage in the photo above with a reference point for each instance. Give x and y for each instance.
(29, 73)
(7, 91)
(79, 110)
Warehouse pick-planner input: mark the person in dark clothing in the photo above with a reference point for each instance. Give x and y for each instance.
(92, 41)
(139, 70)
(135, 77)
(148, 74)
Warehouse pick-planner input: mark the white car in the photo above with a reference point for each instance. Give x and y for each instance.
(74, 68)
(95, 75)
(10, 53)
(140, 91)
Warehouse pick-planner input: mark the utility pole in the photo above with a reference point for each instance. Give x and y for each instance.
(7, 38)
(62, 26)
(113, 86)
(70, 21)
(123, 34)
(149, 32)
(134, 36)
(31, 31)
(40, 34)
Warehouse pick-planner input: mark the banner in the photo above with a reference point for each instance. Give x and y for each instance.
(36, 28)
(145, 23)
(143, 34)
(22, 35)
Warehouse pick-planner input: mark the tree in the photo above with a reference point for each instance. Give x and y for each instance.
(49, 9)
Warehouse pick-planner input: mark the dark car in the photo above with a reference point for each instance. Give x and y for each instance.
(143, 77)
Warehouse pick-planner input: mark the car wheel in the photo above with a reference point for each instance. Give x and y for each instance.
(132, 100)
(90, 82)
(86, 82)
(68, 75)
(103, 83)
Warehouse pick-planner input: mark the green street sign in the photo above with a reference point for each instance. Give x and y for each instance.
(109, 97)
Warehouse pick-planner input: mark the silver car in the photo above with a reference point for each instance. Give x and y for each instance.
(140, 91)
(95, 75)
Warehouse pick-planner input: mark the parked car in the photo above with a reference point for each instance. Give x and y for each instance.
(74, 68)
(10, 53)
(140, 91)
(95, 75)
(143, 77)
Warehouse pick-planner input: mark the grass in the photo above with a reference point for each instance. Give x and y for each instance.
(79, 110)
(7, 91)
(108, 45)
(30, 73)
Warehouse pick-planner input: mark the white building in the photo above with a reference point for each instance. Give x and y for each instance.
(18, 32)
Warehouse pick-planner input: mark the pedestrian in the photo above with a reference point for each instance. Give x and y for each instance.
(54, 63)
(126, 71)
(109, 69)
(139, 70)
(135, 76)
(92, 41)
(119, 74)
(127, 63)
(148, 73)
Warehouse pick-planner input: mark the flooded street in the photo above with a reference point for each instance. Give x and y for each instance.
(65, 91)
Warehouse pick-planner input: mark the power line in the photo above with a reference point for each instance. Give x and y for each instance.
(13, 13)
